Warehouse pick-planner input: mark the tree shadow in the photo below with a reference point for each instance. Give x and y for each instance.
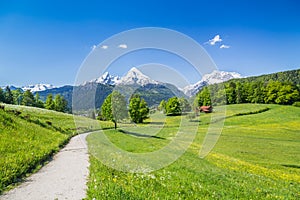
(154, 123)
(291, 166)
(140, 135)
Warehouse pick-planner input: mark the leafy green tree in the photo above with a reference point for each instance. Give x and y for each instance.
(9, 99)
(287, 95)
(138, 109)
(184, 105)
(239, 93)
(203, 97)
(119, 107)
(271, 91)
(258, 92)
(38, 102)
(50, 104)
(173, 106)
(17, 96)
(60, 104)
(114, 108)
(28, 99)
(230, 93)
(2, 97)
(162, 106)
(106, 108)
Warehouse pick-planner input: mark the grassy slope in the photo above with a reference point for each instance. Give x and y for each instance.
(31, 138)
(256, 157)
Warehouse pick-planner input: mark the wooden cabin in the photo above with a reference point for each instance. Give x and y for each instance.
(206, 109)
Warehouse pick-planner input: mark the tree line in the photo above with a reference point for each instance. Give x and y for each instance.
(174, 106)
(115, 109)
(27, 98)
(254, 91)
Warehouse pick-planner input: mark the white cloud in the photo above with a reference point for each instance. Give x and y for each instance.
(104, 47)
(216, 39)
(123, 46)
(223, 46)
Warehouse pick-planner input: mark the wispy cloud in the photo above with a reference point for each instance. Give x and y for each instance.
(223, 46)
(123, 46)
(216, 39)
(104, 47)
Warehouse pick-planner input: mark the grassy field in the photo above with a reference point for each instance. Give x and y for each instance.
(30, 136)
(256, 157)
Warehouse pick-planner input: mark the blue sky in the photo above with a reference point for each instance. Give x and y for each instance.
(46, 41)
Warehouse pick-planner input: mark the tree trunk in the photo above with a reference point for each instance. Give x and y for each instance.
(115, 125)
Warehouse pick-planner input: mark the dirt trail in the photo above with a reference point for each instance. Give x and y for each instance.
(63, 178)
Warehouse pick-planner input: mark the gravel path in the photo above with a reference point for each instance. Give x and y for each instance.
(63, 178)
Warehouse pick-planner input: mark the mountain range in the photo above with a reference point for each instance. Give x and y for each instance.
(209, 79)
(33, 88)
(133, 82)
(136, 77)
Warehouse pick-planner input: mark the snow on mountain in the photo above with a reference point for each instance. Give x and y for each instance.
(133, 77)
(208, 79)
(107, 79)
(11, 87)
(220, 76)
(37, 87)
(136, 77)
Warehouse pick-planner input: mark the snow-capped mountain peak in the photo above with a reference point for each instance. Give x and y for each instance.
(219, 76)
(208, 79)
(136, 77)
(107, 79)
(38, 87)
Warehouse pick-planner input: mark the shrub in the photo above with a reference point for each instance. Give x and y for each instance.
(297, 104)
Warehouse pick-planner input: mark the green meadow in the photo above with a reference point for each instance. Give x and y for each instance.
(257, 156)
(30, 136)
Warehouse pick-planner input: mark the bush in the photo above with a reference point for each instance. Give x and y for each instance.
(297, 104)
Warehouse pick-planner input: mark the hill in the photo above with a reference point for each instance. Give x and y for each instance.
(30, 136)
(292, 76)
(278, 88)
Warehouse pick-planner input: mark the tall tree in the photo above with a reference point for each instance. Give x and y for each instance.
(49, 104)
(272, 90)
(173, 106)
(8, 96)
(230, 93)
(61, 105)
(2, 97)
(28, 99)
(38, 102)
(162, 106)
(203, 97)
(114, 108)
(287, 94)
(17, 96)
(138, 109)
